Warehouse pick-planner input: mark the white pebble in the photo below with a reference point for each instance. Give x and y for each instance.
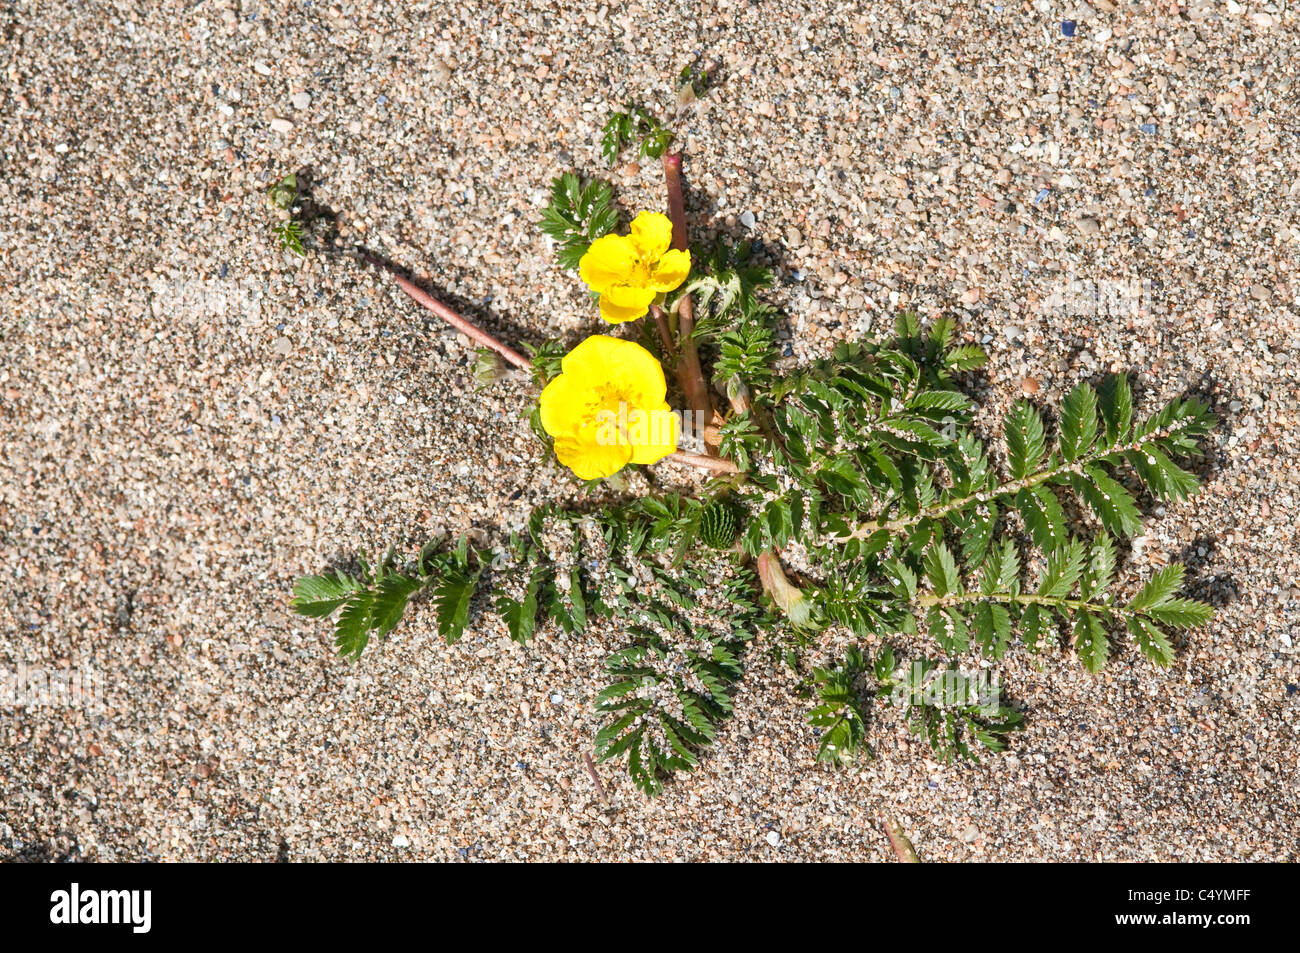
(401, 840)
(774, 838)
(281, 125)
(301, 101)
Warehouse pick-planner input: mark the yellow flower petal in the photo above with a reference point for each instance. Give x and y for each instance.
(592, 460)
(621, 367)
(615, 314)
(564, 403)
(625, 302)
(611, 260)
(671, 270)
(651, 233)
(657, 438)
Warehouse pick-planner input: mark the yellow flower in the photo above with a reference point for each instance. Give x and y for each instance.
(629, 271)
(607, 408)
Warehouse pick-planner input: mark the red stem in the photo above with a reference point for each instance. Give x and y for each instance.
(690, 375)
(716, 464)
(451, 317)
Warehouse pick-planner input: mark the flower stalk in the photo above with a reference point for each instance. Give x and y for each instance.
(426, 300)
(690, 374)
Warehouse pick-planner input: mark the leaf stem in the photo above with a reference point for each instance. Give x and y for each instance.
(1024, 599)
(1073, 468)
(716, 464)
(903, 848)
(426, 300)
(665, 335)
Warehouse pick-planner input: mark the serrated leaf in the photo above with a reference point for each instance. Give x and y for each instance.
(318, 596)
(967, 357)
(1001, 569)
(976, 527)
(1034, 623)
(1182, 613)
(1099, 570)
(941, 570)
(992, 624)
(1163, 477)
(1090, 642)
(352, 628)
(1043, 516)
(1153, 643)
(1078, 422)
(452, 595)
(390, 598)
(1026, 439)
(1113, 505)
(1115, 400)
(948, 627)
(520, 615)
(1159, 589)
(1064, 566)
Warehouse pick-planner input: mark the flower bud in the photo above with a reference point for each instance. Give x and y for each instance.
(788, 598)
(488, 367)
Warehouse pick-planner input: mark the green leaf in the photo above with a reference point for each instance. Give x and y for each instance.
(1043, 516)
(1182, 613)
(967, 357)
(949, 629)
(577, 215)
(318, 596)
(941, 570)
(520, 616)
(992, 624)
(1090, 642)
(976, 526)
(390, 598)
(1078, 422)
(577, 599)
(352, 628)
(1159, 589)
(1100, 569)
(1115, 508)
(1150, 640)
(1115, 400)
(1035, 622)
(452, 595)
(1026, 440)
(1064, 566)
(1163, 477)
(1001, 570)
(840, 718)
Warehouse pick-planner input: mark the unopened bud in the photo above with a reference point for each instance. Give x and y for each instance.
(737, 393)
(488, 367)
(787, 597)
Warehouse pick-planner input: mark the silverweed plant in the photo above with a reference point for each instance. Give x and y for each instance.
(855, 493)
